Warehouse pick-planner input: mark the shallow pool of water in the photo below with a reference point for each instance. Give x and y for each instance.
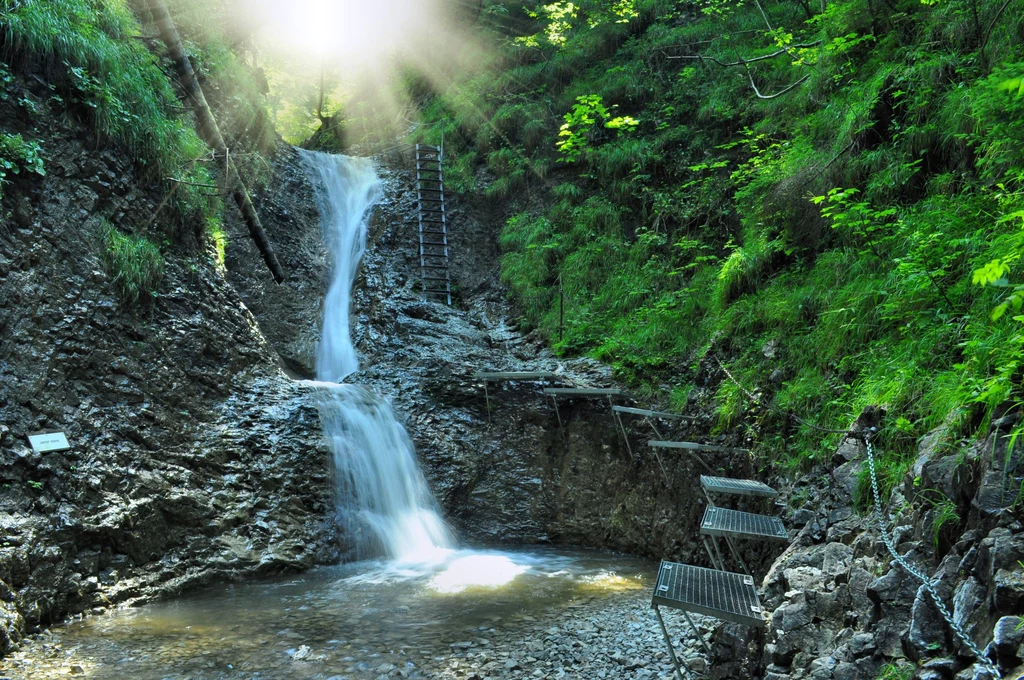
(346, 621)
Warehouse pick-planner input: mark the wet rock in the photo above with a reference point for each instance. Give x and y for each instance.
(926, 636)
(1008, 641)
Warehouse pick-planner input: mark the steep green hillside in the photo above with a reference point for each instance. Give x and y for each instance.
(101, 64)
(812, 194)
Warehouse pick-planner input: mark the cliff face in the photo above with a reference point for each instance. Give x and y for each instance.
(521, 473)
(193, 457)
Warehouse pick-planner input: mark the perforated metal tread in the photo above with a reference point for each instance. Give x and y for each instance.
(737, 487)
(726, 522)
(583, 392)
(514, 375)
(722, 594)
(690, 445)
(650, 414)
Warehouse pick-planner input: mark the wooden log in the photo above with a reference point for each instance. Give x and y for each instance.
(210, 133)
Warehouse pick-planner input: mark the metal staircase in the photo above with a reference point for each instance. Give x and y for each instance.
(433, 224)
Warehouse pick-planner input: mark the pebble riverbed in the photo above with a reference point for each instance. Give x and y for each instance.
(571, 620)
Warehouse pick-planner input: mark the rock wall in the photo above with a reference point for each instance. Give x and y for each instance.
(841, 608)
(193, 457)
(514, 474)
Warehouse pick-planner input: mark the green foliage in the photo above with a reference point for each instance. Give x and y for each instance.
(896, 671)
(577, 129)
(115, 82)
(890, 467)
(16, 155)
(134, 263)
(841, 222)
(218, 238)
(945, 514)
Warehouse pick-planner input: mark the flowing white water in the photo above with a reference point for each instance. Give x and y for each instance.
(382, 497)
(346, 191)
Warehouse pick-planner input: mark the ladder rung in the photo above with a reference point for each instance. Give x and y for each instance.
(434, 266)
(431, 191)
(436, 278)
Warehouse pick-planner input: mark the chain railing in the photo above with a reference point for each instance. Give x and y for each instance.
(926, 583)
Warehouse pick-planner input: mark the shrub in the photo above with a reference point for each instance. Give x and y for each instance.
(16, 155)
(134, 263)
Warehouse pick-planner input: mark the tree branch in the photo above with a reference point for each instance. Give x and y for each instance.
(992, 25)
(743, 62)
(777, 94)
(191, 184)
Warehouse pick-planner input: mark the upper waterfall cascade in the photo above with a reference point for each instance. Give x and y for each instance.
(382, 497)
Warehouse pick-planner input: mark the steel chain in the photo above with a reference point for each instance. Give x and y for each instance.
(926, 583)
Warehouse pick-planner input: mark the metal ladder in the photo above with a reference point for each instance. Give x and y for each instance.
(433, 224)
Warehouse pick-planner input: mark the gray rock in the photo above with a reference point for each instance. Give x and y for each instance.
(1008, 641)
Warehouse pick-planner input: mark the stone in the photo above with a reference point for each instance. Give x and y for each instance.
(803, 516)
(1008, 641)
(848, 450)
(862, 644)
(967, 604)
(836, 562)
(845, 478)
(926, 636)
(1009, 590)
(802, 578)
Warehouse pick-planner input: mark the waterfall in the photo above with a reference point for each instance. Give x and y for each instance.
(346, 191)
(382, 498)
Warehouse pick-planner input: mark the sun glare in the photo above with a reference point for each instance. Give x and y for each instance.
(476, 571)
(349, 30)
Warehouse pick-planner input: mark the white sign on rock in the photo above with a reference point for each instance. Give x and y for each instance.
(49, 441)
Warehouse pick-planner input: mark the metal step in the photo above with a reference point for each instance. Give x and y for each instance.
(730, 523)
(514, 375)
(584, 392)
(737, 487)
(650, 414)
(692, 446)
(722, 594)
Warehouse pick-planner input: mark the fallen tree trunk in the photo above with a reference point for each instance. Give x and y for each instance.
(210, 133)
